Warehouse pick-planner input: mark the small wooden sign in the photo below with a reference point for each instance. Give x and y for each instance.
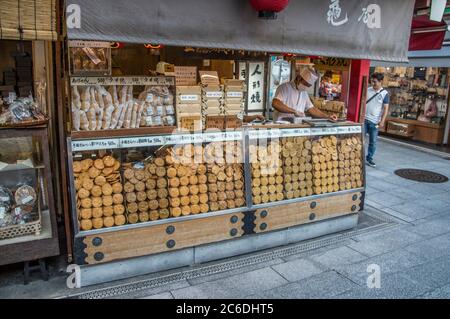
(209, 77)
(185, 75)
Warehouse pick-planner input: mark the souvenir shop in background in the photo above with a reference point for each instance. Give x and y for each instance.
(418, 108)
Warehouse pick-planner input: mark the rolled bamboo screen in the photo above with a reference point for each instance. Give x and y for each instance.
(28, 19)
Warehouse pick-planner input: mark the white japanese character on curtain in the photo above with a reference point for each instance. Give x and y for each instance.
(334, 13)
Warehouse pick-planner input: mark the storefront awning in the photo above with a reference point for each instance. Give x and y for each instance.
(358, 29)
(426, 34)
(28, 20)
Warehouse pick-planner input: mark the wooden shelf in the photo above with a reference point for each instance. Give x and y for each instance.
(155, 130)
(16, 167)
(399, 134)
(414, 122)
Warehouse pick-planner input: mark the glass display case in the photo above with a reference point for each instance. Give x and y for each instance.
(27, 215)
(168, 191)
(89, 58)
(117, 182)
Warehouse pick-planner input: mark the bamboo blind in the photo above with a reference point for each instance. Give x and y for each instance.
(28, 19)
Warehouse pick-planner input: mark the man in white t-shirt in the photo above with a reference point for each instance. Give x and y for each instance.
(377, 105)
(291, 98)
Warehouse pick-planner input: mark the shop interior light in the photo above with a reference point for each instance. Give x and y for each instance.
(153, 46)
(116, 45)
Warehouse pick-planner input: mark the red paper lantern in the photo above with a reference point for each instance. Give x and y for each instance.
(268, 8)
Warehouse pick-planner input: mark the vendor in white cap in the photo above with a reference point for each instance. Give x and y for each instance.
(291, 98)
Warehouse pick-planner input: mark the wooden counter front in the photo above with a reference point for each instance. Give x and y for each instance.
(153, 239)
(423, 131)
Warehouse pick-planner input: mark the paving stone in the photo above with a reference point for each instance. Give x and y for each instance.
(405, 193)
(433, 274)
(327, 284)
(399, 215)
(384, 241)
(431, 228)
(389, 263)
(226, 274)
(431, 249)
(414, 210)
(439, 293)
(338, 256)
(373, 204)
(440, 196)
(377, 173)
(298, 269)
(237, 286)
(386, 199)
(381, 185)
(435, 205)
(393, 286)
(311, 252)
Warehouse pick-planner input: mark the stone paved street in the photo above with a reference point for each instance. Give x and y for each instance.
(413, 253)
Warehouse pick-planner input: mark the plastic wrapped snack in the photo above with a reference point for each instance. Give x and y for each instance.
(23, 214)
(170, 110)
(159, 110)
(6, 219)
(157, 121)
(20, 111)
(25, 195)
(6, 198)
(169, 120)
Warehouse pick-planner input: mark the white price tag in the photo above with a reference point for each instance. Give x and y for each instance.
(4, 199)
(27, 199)
(190, 97)
(87, 145)
(2, 211)
(235, 94)
(343, 130)
(253, 135)
(296, 132)
(122, 80)
(149, 97)
(324, 131)
(217, 94)
(142, 141)
(355, 129)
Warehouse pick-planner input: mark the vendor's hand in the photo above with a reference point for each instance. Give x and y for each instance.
(333, 117)
(259, 117)
(299, 114)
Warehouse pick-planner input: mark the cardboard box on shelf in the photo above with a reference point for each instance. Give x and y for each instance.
(212, 103)
(191, 89)
(234, 106)
(233, 82)
(212, 111)
(189, 108)
(189, 122)
(233, 112)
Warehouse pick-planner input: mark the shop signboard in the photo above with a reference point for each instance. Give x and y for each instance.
(255, 96)
(356, 29)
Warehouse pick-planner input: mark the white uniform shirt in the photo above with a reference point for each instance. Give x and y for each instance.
(374, 109)
(292, 97)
